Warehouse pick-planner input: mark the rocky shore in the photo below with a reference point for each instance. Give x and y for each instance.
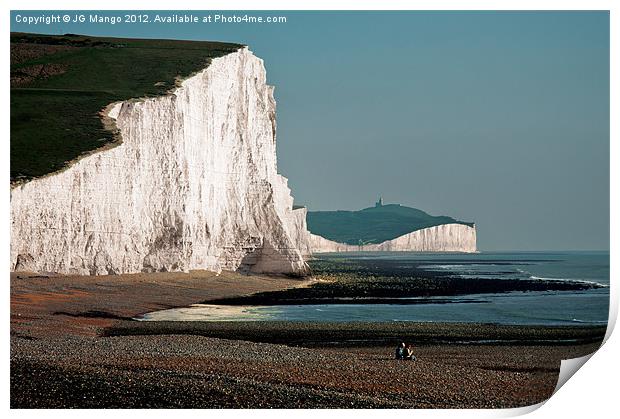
(384, 281)
(73, 344)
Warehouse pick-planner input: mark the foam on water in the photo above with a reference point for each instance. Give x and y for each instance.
(579, 281)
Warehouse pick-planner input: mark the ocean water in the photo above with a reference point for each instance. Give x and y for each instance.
(524, 308)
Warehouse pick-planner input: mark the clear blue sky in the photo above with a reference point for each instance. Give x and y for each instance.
(501, 118)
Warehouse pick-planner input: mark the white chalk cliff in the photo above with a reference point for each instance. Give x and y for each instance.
(193, 185)
(442, 238)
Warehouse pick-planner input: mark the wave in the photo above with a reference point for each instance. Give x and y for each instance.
(579, 281)
(590, 321)
(433, 266)
(470, 266)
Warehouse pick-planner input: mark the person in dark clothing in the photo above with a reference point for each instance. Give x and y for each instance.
(409, 353)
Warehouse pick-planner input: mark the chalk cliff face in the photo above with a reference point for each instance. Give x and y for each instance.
(193, 185)
(442, 238)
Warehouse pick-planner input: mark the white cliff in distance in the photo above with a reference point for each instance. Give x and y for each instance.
(193, 185)
(451, 237)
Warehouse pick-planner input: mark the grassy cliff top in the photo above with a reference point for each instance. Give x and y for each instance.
(61, 83)
(373, 225)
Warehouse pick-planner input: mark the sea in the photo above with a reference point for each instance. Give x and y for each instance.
(588, 307)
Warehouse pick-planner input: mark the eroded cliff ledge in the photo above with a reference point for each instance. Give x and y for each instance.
(194, 185)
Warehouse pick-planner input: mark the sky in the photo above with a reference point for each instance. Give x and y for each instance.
(500, 118)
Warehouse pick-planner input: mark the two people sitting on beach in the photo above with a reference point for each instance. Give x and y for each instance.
(405, 351)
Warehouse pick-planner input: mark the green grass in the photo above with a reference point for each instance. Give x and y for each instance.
(56, 119)
(372, 225)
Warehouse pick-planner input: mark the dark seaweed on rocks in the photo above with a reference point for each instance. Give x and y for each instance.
(372, 281)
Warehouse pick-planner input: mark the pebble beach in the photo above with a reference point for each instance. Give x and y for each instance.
(75, 344)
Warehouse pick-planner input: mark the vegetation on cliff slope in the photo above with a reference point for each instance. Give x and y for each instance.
(60, 84)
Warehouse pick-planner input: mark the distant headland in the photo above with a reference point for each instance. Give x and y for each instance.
(389, 227)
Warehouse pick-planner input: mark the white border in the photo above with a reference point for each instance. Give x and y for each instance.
(592, 392)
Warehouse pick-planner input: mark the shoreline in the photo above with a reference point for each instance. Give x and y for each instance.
(73, 345)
